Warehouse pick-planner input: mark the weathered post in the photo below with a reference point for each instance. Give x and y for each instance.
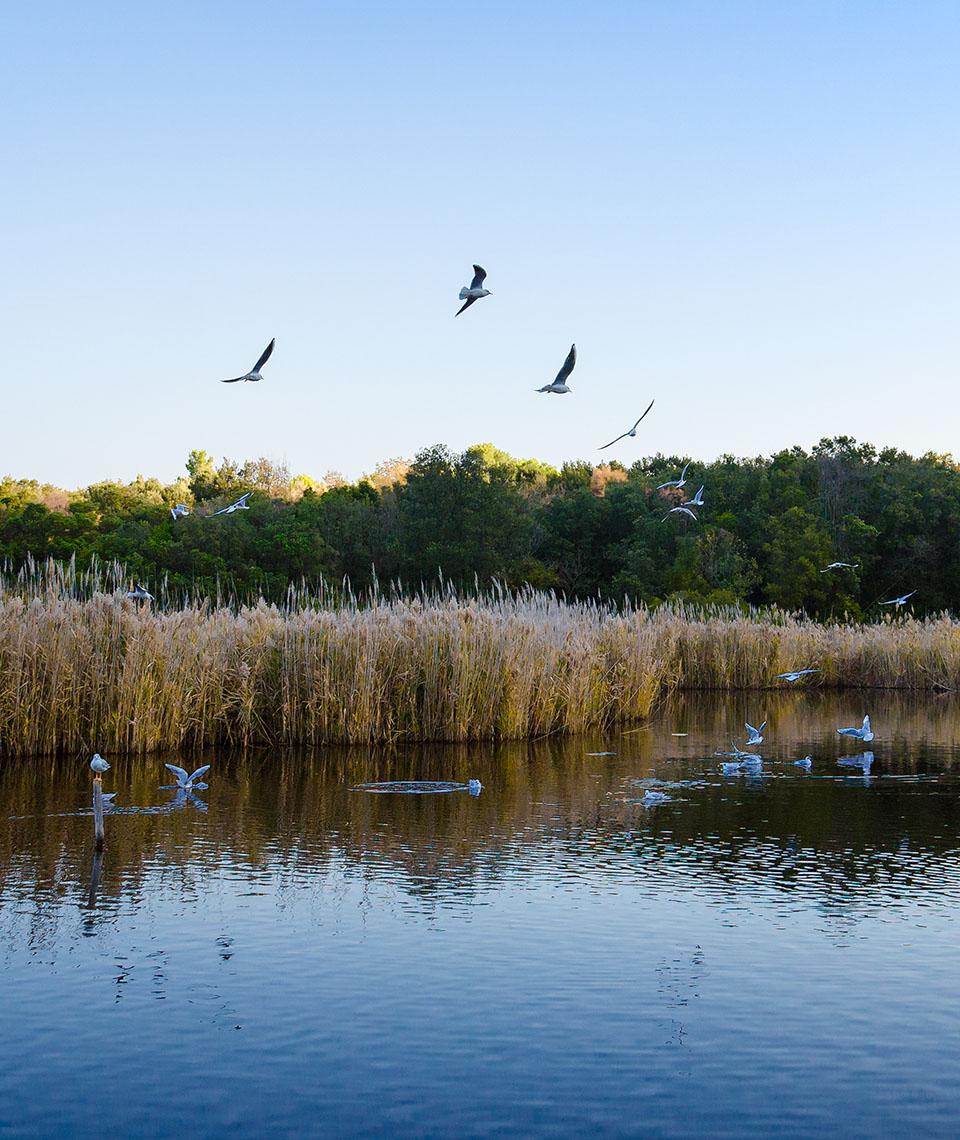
(98, 766)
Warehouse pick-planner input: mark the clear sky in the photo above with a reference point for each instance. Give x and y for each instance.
(748, 210)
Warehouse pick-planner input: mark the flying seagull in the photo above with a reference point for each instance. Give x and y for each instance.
(180, 511)
(254, 373)
(184, 779)
(140, 593)
(98, 764)
(240, 505)
(475, 290)
(632, 432)
(683, 509)
(681, 482)
(756, 734)
(796, 674)
(559, 386)
(697, 500)
(865, 733)
(840, 566)
(897, 602)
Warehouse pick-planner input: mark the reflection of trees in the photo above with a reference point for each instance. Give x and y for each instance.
(288, 820)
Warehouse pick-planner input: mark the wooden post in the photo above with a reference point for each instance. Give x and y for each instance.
(98, 813)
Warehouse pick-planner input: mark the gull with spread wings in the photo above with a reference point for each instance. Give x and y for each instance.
(559, 386)
(240, 505)
(632, 432)
(254, 373)
(474, 291)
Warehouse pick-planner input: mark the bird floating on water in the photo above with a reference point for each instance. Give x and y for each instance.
(683, 509)
(184, 779)
(559, 386)
(681, 482)
(180, 511)
(806, 763)
(653, 799)
(865, 733)
(840, 566)
(631, 432)
(98, 764)
(796, 674)
(474, 787)
(140, 593)
(254, 373)
(474, 291)
(240, 505)
(755, 734)
(897, 602)
(739, 754)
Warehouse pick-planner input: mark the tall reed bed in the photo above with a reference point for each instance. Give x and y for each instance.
(83, 667)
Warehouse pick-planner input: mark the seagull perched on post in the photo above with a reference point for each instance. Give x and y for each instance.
(840, 566)
(683, 509)
(632, 431)
(897, 602)
(187, 780)
(865, 733)
(254, 373)
(240, 505)
(796, 674)
(756, 734)
(681, 482)
(98, 764)
(474, 291)
(179, 511)
(140, 593)
(559, 386)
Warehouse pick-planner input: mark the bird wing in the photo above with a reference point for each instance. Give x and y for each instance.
(233, 380)
(264, 356)
(905, 596)
(243, 498)
(617, 440)
(700, 492)
(567, 365)
(479, 274)
(199, 772)
(222, 511)
(762, 727)
(749, 727)
(180, 773)
(649, 406)
(683, 473)
(466, 305)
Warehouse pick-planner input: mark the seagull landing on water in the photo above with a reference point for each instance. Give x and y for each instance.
(897, 602)
(559, 386)
(756, 734)
(683, 509)
(254, 373)
(98, 764)
(140, 593)
(840, 566)
(681, 482)
(796, 674)
(187, 780)
(865, 733)
(240, 505)
(474, 291)
(179, 511)
(631, 432)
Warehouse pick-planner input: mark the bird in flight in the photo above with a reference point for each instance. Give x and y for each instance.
(179, 511)
(697, 500)
(240, 505)
(474, 291)
(865, 733)
(897, 602)
(140, 593)
(683, 509)
(755, 734)
(560, 384)
(185, 779)
(632, 432)
(840, 566)
(98, 764)
(796, 674)
(254, 373)
(681, 482)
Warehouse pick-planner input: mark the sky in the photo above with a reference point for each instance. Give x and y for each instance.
(745, 210)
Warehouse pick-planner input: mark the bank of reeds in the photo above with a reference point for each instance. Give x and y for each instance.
(83, 668)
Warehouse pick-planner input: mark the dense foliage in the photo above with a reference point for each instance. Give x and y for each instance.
(768, 527)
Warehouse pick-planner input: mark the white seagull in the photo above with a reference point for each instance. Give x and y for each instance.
(806, 763)
(840, 566)
(796, 674)
(897, 602)
(474, 787)
(559, 386)
(865, 733)
(179, 511)
(632, 432)
(474, 291)
(240, 505)
(98, 764)
(683, 509)
(140, 593)
(184, 779)
(756, 734)
(653, 799)
(254, 373)
(697, 500)
(681, 482)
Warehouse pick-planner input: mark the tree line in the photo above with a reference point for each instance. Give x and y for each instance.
(768, 528)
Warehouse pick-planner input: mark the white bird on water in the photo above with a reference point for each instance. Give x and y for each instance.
(631, 432)
(559, 386)
(897, 602)
(240, 505)
(681, 482)
(140, 593)
(184, 779)
(254, 373)
(98, 764)
(756, 734)
(840, 566)
(654, 799)
(865, 733)
(474, 291)
(474, 787)
(683, 509)
(806, 763)
(796, 674)
(179, 511)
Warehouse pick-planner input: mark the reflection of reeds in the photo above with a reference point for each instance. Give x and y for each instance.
(82, 667)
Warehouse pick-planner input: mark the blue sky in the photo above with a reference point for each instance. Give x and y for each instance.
(745, 210)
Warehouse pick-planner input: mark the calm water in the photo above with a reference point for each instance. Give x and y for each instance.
(770, 955)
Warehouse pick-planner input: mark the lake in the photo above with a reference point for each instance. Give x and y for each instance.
(772, 953)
